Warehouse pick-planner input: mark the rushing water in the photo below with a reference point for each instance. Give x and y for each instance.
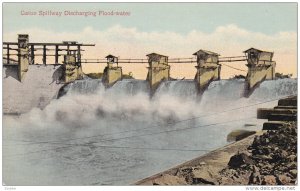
(116, 136)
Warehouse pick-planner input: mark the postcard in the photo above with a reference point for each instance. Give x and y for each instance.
(136, 93)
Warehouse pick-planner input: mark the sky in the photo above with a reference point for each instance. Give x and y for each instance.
(172, 29)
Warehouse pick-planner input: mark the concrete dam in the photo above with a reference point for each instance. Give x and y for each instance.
(36, 84)
(40, 87)
(74, 130)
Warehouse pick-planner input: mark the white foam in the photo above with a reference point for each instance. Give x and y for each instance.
(88, 114)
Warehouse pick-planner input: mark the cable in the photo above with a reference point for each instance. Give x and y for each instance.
(233, 67)
(168, 124)
(151, 148)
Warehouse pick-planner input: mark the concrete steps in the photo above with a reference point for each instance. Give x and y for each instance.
(285, 107)
(288, 102)
(273, 125)
(264, 113)
(278, 116)
(282, 117)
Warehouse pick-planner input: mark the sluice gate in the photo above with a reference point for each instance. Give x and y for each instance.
(208, 64)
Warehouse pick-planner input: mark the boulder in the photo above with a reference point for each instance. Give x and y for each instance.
(203, 176)
(292, 158)
(269, 180)
(255, 178)
(239, 160)
(292, 165)
(283, 180)
(293, 173)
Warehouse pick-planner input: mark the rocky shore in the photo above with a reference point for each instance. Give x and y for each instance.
(270, 160)
(267, 158)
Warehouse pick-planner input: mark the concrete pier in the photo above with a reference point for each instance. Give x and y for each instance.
(158, 70)
(112, 72)
(23, 57)
(72, 70)
(260, 68)
(208, 68)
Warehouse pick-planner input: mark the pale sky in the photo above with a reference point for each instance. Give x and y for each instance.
(173, 29)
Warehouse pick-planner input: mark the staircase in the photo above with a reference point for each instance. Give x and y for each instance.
(285, 112)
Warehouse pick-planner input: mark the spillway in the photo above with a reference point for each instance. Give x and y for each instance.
(97, 136)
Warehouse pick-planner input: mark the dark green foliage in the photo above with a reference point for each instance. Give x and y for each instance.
(281, 75)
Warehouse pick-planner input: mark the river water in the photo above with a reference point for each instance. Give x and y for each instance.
(116, 136)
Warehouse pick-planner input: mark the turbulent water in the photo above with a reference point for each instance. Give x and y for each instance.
(116, 136)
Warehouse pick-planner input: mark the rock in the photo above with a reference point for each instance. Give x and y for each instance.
(263, 157)
(255, 168)
(202, 163)
(256, 142)
(186, 170)
(201, 176)
(272, 160)
(268, 166)
(266, 150)
(226, 181)
(284, 154)
(292, 158)
(167, 179)
(202, 181)
(283, 180)
(292, 165)
(239, 160)
(279, 156)
(255, 178)
(293, 173)
(269, 180)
